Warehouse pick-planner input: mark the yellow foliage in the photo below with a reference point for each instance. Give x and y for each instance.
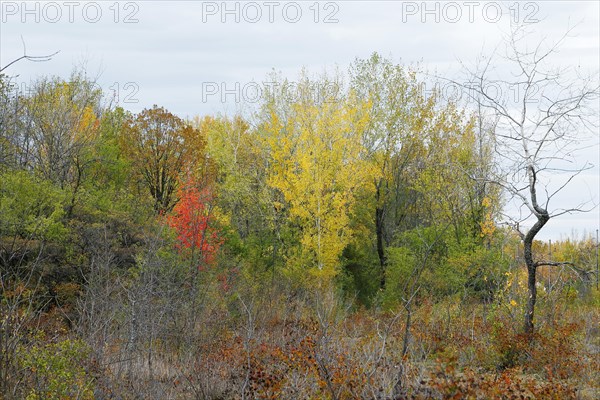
(488, 226)
(316, 164)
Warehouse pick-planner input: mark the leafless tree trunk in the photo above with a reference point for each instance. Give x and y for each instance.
(540, 115)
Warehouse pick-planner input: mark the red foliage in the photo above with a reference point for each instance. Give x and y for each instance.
(193, 220)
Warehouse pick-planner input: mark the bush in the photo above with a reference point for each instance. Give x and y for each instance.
(55, 370)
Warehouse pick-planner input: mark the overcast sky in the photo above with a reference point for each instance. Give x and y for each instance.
(195, 57)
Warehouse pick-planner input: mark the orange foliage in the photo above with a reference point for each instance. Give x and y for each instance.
(194, 222)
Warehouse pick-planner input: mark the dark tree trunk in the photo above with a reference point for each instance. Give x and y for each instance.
(380, 244)
(531, 271)
(542, 218)
(531, 280)
(380, 232)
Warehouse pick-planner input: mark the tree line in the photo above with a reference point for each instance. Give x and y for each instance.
(133, 231)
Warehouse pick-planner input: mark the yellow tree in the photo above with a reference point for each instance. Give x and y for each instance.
(315, 154)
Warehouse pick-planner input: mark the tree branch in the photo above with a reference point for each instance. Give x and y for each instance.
(29, 58)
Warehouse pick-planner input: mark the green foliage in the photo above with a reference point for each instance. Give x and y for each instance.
(482, 270)
(111, 168)
(401, 268)
(432, 260)
(413, 264)
(31, 207)
(360, 277)
(55, 371)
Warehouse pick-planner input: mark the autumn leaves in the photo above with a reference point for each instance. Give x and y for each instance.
(315, 173)
(316, 163)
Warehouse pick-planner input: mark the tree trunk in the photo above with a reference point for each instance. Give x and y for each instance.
(531, 280)
(406, 329)
(379, 232)
(543, 217)
(380, 244)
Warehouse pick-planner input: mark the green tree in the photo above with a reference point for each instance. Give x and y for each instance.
(424, 150)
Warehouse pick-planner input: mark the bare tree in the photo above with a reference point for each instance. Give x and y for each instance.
(541, 116)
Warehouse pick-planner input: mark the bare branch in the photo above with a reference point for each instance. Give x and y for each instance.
(29, 58)
(553, 263)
